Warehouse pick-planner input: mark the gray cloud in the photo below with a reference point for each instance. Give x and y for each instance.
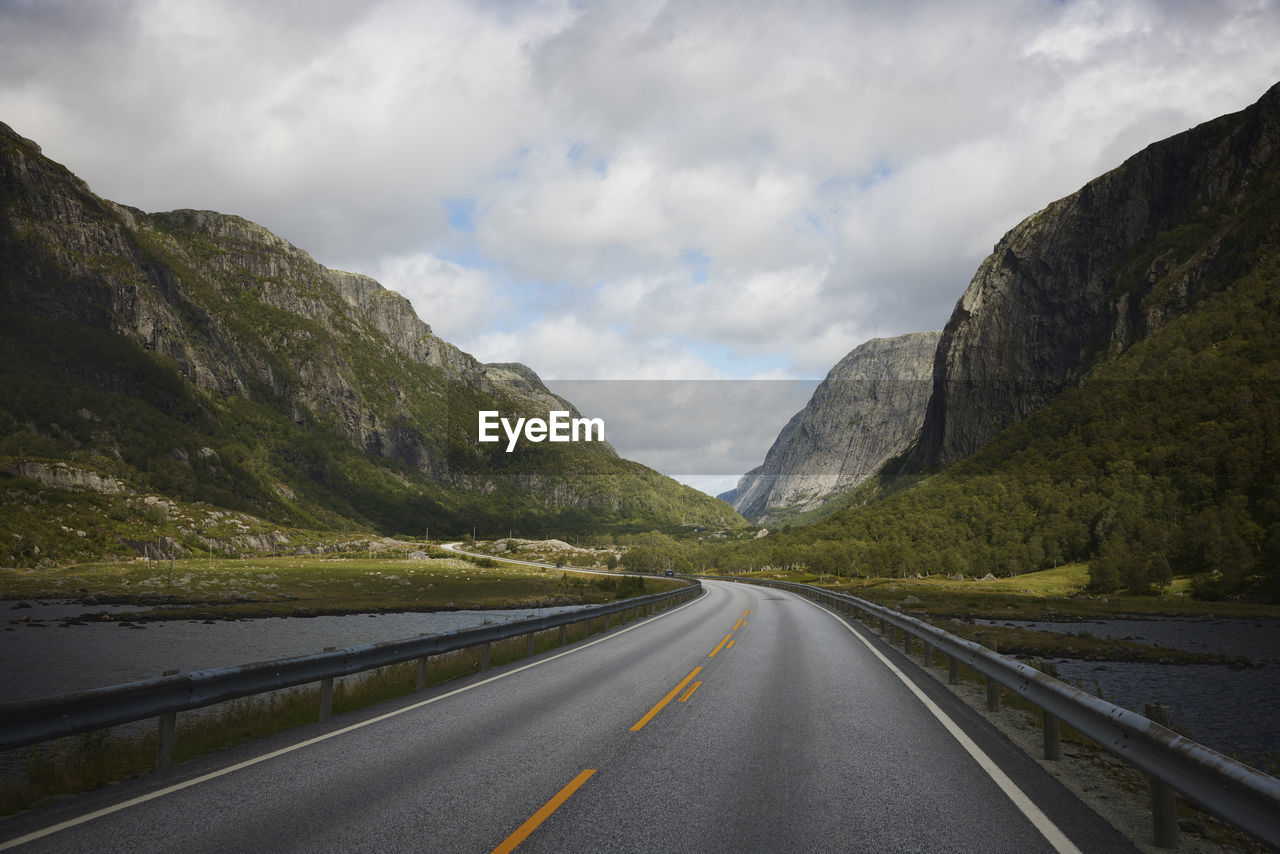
(658, 190)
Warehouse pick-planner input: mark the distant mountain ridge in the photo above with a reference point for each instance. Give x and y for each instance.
(144, 346)
(867, 410)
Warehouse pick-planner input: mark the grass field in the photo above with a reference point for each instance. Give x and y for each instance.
(304, 586)
(1058, 595)
(1052, 594)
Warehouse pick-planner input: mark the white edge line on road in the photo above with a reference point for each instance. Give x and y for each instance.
(1042, 822)
(213, 775)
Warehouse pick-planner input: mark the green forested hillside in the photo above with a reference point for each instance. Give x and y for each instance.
(1164, 460)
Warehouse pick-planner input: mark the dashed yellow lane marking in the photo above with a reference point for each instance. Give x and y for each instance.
(720, 646)
(687, 694)
(522, 832)
(639, 725)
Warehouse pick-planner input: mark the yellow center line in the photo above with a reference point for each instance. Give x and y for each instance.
(689, 693)
(738, 624)
(721, 645)
(730, 646)
(639, 725)
(522, 832)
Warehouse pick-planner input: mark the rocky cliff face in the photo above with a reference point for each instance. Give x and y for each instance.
(868, 410)
(241, 326)
(1093, 273)
(181, 284)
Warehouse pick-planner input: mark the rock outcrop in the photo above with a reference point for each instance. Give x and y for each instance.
(868, 410)
(1090, 275)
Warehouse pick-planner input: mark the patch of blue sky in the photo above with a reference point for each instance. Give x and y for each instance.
(461, 214)
(877, 174)
(578, 156)
(735, 365)
(698, 263)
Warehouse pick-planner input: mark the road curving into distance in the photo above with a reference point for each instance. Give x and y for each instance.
(749, 719)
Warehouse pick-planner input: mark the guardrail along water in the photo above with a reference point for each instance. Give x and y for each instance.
(33, 721)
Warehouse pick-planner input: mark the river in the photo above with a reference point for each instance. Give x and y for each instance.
(1231, 710)
(41, 656)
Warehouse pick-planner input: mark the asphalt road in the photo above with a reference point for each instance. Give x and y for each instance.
(783, 729)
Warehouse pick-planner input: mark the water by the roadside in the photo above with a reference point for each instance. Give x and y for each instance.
(1257, 640)
(40, 657)
(1231, 710)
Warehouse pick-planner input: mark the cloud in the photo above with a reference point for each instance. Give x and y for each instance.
(456, 300)
(630, 189)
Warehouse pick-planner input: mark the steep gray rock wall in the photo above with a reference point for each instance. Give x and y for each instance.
(868, 410)
(192, 285)
(1074, 281)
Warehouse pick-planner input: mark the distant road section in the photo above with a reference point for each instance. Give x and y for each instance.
(747, 720)
(455, 547)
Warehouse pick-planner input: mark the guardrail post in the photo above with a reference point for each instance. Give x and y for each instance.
(422, 673)
(564, 630)
(953, 670)
(484, 655)
(926, 656)
(893, 634)
(1052, 736)
(528, 645)
(586, 628)
(1164, 807)
(326, 693)
(993, 687)
(606, 622)
(168, 735)
(906, 643)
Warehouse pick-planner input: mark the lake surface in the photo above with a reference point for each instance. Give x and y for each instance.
(41, 657)
(1234, 711)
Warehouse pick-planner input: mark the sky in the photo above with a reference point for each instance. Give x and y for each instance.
(631, 190)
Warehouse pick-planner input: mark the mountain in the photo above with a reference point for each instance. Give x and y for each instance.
(1097, 271)
(867, 410)
(1107, 390)
(197, 356)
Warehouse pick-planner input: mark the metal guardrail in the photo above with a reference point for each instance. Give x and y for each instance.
(1231, 790)
(29, 722)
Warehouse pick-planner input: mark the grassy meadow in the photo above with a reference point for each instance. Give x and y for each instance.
(1052, 595)
(308, 586)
